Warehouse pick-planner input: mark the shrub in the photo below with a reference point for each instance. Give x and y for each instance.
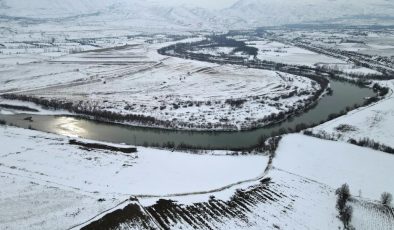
(386, 198)
(345, 211)
(343, 194)
(346, 216)
(235, 102)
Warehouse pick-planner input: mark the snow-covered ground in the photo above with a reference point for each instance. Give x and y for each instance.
(300, 195)
(150, 171)
(334, 163)
(311, 205)
(287, 54)
(48, 184)
(365, 42)
(30, 204)
(43, 172)
(331, 164)
(289, 201)
(369, 215)
(369, 47)
(135, 79)
(374, 122)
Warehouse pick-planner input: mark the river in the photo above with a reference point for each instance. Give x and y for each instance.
(344, 94)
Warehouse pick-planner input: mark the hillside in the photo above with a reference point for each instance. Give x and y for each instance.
(269, 12)
(244, 13)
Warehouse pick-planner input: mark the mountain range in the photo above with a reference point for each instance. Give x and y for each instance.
(242, 14)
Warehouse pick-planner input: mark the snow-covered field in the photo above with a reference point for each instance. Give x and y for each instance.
(46, 183)
(134, 79)
(369, 47)
(30, 204)
(289, 201)
(332, 164)
(150, 171)
(369, 215)
(366, 42)
(335, 163)
(43, 172)
(287, 54)
(374, 122)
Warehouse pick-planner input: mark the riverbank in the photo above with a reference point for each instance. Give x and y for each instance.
(345, 95)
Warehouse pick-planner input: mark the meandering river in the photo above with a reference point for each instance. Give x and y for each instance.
(344, 95)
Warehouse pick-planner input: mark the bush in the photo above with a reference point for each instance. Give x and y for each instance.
(386, 198)
(346, 216)
(343, 194)
(235, 102)
(345, 211)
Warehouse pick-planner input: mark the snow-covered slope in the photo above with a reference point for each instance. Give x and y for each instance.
(275, 12)
(243, 14)
(119, 12)
(51, 8)
(334, 163)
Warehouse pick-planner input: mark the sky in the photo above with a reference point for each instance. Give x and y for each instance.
(213, 4)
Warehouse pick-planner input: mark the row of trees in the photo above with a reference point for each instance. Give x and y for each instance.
(366, 142)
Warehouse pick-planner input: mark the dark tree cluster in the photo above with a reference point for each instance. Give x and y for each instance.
(235, 102)
(80, 109)
(253, 51)
(386, 198)
(366, 142)
(345, 210)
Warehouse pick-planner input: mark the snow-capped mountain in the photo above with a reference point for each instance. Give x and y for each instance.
(277, 12)
(243, 14)
(119, 12)
(51, 8)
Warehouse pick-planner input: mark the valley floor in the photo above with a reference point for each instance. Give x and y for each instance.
(47, 183)
(134, 80)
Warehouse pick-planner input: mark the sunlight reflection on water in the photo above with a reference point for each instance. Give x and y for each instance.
(69, 126)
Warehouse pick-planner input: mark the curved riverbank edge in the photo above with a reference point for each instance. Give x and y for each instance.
(345, 97)
(137, 120)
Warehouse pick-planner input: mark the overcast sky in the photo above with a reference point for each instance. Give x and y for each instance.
(216, 4)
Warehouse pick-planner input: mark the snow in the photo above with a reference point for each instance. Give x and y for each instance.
(312, 206)
(290, 202)
(157, 15)
(48, 184)
(148, 172)
(366, 215)
(29, 204)
(350, 45)
(280, 12)
(135, 79)
(287, 54)
(305, 205)
(42, 172)
(374, 122)
(40, 109)
(350, 69)
(334, 163)
(306, 172)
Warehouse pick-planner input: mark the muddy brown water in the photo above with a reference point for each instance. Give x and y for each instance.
(344, 95)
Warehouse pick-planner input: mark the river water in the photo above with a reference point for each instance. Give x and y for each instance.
(345, 94)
